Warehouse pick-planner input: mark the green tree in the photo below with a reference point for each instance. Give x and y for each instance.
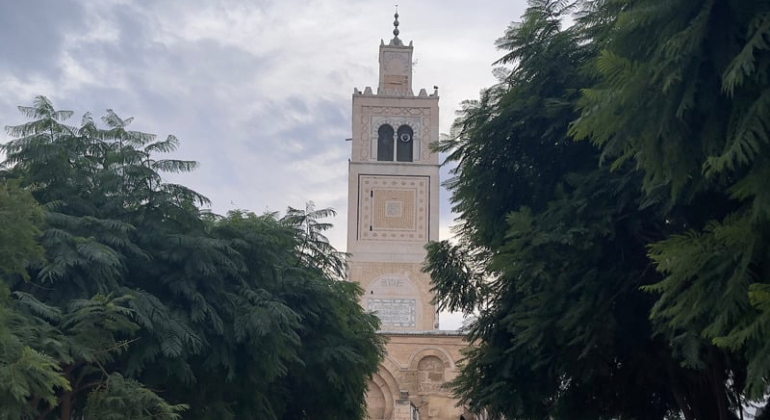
(554, 245)
(683, 94)
(20, 220)
(315, 250)
(25, 373)
(48, 355)
(219, 314)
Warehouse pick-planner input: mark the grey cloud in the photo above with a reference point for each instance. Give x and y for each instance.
(258, 92)
(32, 33)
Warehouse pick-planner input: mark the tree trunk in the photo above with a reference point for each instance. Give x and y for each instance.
(700, 394)
(65, 407)
(679, 394)
(718, 384)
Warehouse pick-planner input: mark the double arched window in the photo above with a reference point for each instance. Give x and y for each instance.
(403, 149)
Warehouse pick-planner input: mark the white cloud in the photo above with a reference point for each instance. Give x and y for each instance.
(258, 92)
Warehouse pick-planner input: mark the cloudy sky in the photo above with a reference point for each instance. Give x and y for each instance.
(258, 91)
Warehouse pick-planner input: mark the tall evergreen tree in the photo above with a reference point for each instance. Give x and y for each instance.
(558, 250)
(683, 94)
(148, 295)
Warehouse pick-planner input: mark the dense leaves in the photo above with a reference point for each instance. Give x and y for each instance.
(613, 214)
(702, 78)
(124, 300)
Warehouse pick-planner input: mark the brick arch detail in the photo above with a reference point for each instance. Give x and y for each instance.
(392, 364)
(395, 123)
(387, 383)
(436, 351)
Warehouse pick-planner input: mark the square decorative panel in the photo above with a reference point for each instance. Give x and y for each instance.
(393, 208)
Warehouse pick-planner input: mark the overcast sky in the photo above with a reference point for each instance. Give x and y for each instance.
(258, 91)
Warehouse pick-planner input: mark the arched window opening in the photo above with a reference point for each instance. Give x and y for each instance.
(385, 143)
(404, 149)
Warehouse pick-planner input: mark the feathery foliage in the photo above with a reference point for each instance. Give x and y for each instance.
(621, 277)
(683, 92)
(146, 306)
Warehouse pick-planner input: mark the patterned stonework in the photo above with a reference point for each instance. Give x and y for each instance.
(393, 208)
(395, 122)
(374, 116)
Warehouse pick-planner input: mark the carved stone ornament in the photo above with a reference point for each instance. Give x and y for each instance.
(418, 119)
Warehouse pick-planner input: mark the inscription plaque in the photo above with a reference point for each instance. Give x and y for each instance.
(394, 312)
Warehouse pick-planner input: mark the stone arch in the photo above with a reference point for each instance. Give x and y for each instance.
(416, 138)
(430, 363)
(397, 122)
(383, 389)
(376, 401)
(392, 364)
(442, 354)
(431, 366)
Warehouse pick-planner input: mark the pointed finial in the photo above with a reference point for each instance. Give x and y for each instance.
(395, 40)
(395, 23)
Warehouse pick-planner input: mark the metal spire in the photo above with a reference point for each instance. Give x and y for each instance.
(395, 40)
(395, 23)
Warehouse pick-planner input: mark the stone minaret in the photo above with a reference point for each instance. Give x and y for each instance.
(393, 193)
(392, 213)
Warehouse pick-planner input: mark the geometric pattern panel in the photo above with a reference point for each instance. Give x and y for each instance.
(393, 208)
(418, 118)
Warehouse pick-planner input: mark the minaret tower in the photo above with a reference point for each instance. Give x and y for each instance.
(392, 213)
(393, 192)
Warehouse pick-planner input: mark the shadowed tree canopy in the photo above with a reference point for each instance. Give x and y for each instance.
(613, 231)
(123, 299)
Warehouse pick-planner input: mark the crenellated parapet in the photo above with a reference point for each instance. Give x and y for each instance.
(382, 92)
